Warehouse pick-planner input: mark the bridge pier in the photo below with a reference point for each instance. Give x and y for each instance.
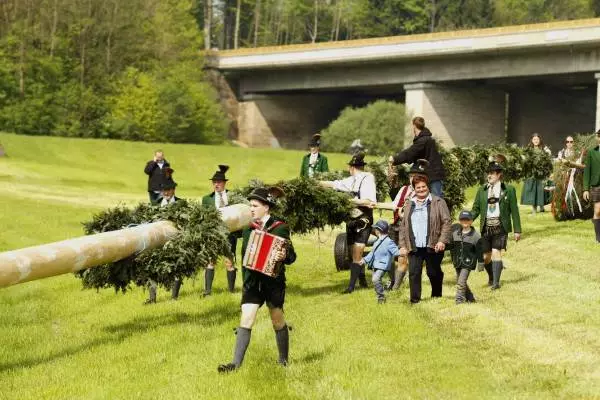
(457, 115)
(285, 120)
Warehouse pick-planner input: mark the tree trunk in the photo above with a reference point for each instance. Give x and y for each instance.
(433, 16)
(236, 33)
(54, 26)
(315, 22)
(256, 22)
(207, 24)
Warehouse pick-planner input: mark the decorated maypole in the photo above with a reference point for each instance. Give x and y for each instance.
(73, 255)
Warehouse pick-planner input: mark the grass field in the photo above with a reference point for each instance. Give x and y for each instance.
(537, 337)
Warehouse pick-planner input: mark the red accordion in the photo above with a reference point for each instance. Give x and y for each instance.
(261, 252)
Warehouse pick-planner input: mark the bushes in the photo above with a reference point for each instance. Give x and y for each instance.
(379, 126)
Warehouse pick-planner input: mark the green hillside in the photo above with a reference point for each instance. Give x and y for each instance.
(537, 337)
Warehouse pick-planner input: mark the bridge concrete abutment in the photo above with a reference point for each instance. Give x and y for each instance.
(553, 112)
(285, 120)
(457, 115)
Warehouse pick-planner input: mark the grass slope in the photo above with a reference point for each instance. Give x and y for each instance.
(535, 338)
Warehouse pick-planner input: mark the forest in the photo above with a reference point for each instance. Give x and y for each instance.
(134, 69)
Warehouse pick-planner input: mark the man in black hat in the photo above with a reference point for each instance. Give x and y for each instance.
(496, 203)
(314, 162)
(361, 185)
(155, 169)
(425, 147)
(219, 198)
(167, 198)
(259, 288)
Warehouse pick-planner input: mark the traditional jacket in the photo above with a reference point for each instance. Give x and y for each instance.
(274, 227)
(156, 175)
(209, 199)
(591, 173)
(466, 249)
(383, 253)
(508, 207)
(320, 166)
(438, 229)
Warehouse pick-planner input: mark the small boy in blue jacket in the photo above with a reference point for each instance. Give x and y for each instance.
(381, 258)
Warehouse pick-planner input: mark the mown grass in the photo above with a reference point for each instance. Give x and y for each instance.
(535, 338)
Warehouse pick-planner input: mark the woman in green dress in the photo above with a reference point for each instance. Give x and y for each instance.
(533, 189)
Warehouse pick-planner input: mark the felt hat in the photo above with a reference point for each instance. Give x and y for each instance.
(315, 141)
(496, 163)
(357, 160)
(220, 174)
(168, 183)
(266, 195)
(419, 167)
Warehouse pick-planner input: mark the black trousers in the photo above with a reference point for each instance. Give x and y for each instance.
(433, 263)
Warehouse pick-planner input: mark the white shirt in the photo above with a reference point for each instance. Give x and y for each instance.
(493, 210)
(166, 202)
(160, 164)
(362, 183)
(264, 220)
(313, 159)
(225, 200)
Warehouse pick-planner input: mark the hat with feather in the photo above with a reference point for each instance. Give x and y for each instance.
(357, 160)
(267, 195)
(168, 183)
(220, 174)
(496, 164)
(315, 141)
(419, 167)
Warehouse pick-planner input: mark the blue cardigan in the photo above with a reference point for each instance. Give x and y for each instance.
(383, 253)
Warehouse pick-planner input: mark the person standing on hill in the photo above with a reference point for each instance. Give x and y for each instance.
(314, 162)
(218, 198)
(155, 169)
(424, 146)
(591, 183)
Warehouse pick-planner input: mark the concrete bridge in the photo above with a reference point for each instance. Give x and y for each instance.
(482, 86)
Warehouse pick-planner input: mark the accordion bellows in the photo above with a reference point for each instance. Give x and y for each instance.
(261, 252)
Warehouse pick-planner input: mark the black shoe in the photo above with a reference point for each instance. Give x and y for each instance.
(206, 294)
(348, 291)
(283, 363)
(495, 287)
(149, 301)
(381, 301)
(226, 368)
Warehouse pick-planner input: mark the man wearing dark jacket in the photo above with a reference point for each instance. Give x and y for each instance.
(155, 169)
(425, 147)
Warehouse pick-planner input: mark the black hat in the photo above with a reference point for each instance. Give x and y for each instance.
(315, 141)
(266, 195)
(496, 163)
(220, 174)
(465, 214)
(358, 160)
(169, 183)
(419, 167)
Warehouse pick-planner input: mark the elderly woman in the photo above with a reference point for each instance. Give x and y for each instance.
(424, 233)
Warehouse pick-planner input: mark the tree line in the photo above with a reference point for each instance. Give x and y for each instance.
(134, 70)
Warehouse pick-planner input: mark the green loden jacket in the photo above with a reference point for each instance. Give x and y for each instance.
(320, 166)
(252, 278)
(508, 207)
(591, 173)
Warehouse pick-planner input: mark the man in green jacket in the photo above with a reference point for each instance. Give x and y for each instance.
(314, 161)
(591, 183)
(496, 203)
(218, 198)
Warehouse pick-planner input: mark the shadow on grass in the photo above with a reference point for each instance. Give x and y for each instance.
(317, 290)
(118, 333)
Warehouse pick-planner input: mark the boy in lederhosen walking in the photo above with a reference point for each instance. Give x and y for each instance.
(496, 203)
(361, 185)
(259, 288)
(591, 183)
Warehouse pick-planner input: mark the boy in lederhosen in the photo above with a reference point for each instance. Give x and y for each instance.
(496, 203)
(361, 185)
(466, 249)
(591, 183)
(259, 288)
(219, 198)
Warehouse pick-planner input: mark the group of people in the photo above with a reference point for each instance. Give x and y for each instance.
(421, 232)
